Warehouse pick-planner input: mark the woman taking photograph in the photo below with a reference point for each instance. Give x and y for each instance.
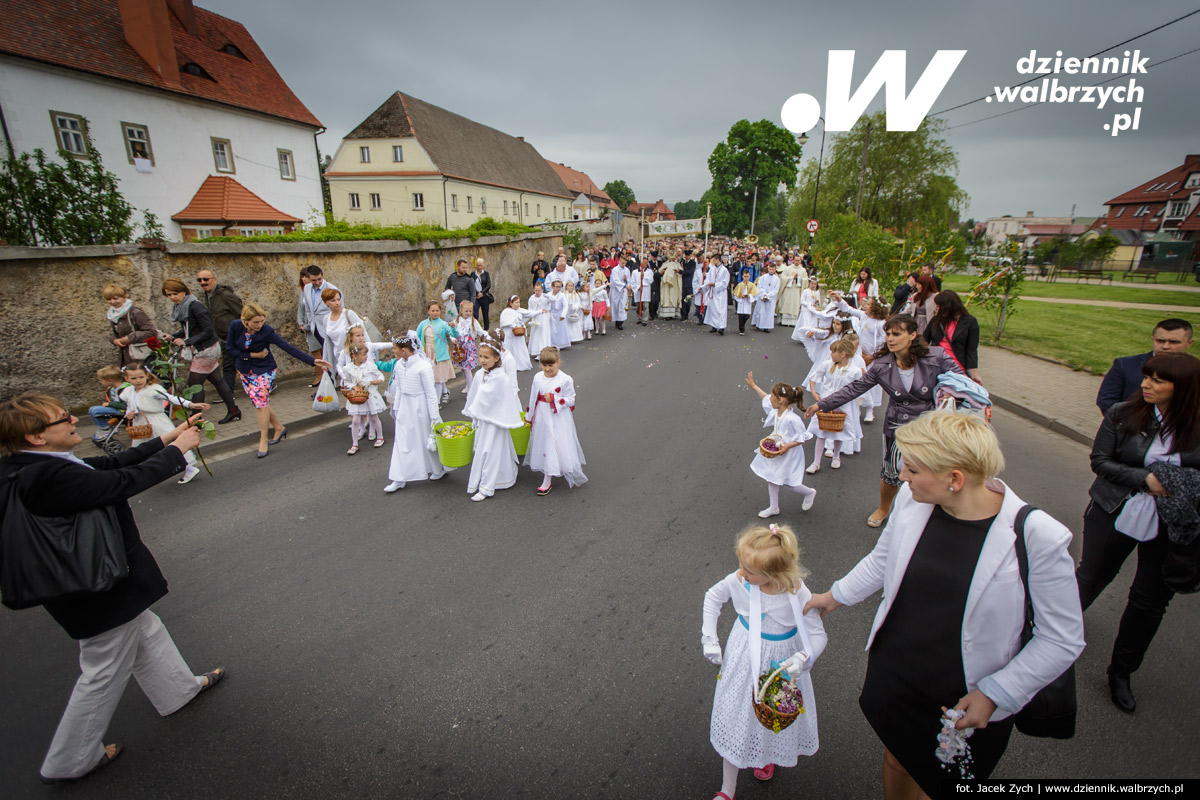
(947, 634)
(250, 340)
(1162, 425)
(908, 372)
(955, 331)
(201, 346)
(131, 326)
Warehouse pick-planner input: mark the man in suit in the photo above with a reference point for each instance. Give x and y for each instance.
(539, 263)
(118, 635)
(688, 273)
(1125, 376)
(318, 312)
(483, 293)
(927, 271)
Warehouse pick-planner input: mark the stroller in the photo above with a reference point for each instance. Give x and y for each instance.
(108, 440)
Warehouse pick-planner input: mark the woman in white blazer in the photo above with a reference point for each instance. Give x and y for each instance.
(948, 629)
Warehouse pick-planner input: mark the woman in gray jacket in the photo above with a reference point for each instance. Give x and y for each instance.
(908, 370)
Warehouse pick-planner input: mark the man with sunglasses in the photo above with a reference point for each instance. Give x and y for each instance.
(118, 635)
(224, 306)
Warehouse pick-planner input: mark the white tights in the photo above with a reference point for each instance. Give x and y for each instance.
(467, 375)
(834, 445)
(730, 772)
(372, 423)
(773, 493)
(440, 388)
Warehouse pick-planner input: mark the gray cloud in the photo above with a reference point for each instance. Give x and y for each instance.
(642, 93)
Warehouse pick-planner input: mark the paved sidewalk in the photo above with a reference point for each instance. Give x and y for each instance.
(1049, 394)
(1114, 304)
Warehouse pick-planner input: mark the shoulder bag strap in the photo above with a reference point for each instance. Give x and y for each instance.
(1023, 566)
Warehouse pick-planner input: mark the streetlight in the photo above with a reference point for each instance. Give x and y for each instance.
(803, 139)
(754, 208)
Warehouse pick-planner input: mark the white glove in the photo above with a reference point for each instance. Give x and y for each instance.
(797, 664)
(712, 651)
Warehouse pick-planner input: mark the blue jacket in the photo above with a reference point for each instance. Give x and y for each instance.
(1121, 380)
(266, 336)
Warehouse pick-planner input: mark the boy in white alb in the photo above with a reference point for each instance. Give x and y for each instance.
(415, 406)
(553, 443)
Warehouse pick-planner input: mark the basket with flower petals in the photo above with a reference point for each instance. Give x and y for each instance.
(357, 395)
(770, 446)
(778, 702)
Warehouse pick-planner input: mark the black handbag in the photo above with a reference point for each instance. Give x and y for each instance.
(49, 558)
(1051, 712)
(1181, 567)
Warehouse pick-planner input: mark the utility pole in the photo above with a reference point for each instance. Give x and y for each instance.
(754, 209)
(862, 173)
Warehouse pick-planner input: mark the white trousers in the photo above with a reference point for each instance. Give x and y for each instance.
(142, 648)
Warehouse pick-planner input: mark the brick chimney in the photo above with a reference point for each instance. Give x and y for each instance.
(147, 25)
(185, 13)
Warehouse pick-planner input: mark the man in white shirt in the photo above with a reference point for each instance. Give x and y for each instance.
(563, 272)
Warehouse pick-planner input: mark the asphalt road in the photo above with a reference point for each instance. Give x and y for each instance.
(421, 645)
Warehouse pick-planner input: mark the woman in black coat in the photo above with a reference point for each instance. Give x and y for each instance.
(1162, 425)
(956, 332)
(198, 333)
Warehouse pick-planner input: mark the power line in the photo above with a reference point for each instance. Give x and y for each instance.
(1093, 55)
(1044, 102)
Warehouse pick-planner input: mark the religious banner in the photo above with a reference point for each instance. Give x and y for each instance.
(676, 227)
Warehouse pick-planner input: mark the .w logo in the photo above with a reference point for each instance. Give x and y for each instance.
(801, 111)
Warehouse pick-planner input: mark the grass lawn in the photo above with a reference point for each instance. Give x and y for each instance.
(1083, 291)
(1086, 338)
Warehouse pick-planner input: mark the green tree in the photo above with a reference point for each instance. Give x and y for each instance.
(620, 193)
(689, 209)
(74, 201)
(909, 179)
(754, 155)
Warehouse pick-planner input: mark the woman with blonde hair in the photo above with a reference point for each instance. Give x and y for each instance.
(948, 630)
(131, 326)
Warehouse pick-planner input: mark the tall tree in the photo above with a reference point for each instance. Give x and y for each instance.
(620, 193)
(908, 179)
(688, 209)
(754, 155)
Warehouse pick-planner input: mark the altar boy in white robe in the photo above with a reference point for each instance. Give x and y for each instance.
(716, 291)
(415, 407)
(763, 317)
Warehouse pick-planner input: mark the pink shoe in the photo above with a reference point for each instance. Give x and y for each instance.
(722, 795)
(765, 773)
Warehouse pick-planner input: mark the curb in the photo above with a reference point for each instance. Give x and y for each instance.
(1040, 419)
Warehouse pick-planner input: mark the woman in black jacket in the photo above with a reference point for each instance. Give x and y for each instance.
(1162, 425)
(956, 332)
(198, 333)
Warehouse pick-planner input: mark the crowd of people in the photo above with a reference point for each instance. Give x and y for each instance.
(951, 649)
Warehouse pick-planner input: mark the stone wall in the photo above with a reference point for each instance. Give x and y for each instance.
(55, 333)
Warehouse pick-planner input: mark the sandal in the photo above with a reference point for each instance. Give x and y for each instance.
(352, 450)
(379, 442)
(873, 522)
(765, 773)
(722, 795)
(101, 764)
(543, 492)
(213, 677)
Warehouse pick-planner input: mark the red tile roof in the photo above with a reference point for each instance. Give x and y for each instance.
(1167, 186)
(222, 199)
(87, 35)
(654, 211)
(577, 182)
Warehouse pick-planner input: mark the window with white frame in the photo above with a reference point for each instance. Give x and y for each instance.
(454, 202)
(1120, 211)
(483, 205)
(418, 201)
(137, 142)
(470, 205)
(1178, 208)
(364, 155)
(223, 155)
(1193, 181)
(1142, 211)
(397, 152)
(506, 208)
(376, 201)
(287, 169)
(355, 205)
(68, 129)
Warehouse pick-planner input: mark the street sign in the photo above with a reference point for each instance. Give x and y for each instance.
(812, 226)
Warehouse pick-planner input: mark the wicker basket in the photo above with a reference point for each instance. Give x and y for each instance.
(140, 431)
(520, 437)
(832, 421)
(457, 353)
(454, 452)
(771, 719)
(357, 395)
(518, 330)
(765, 452)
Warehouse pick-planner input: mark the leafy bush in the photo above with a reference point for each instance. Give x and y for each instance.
(342, 231)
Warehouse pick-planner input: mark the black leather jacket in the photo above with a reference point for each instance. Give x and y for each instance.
(1118, 459)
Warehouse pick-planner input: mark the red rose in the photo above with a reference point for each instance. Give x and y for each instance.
(562, 402)
(153, 343)
(558, 389)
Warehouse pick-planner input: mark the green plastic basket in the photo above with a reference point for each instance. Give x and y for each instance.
(520, 437)
(454, 452)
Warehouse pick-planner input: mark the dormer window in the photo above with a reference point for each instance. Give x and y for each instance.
(194, 69)
(231, 49)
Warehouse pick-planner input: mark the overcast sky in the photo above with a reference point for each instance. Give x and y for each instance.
(631, 91)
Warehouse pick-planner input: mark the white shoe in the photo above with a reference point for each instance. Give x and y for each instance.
(437, 477)
(768, 512)
(188, 474)
(464, 391)
(829, 454)
(808, 501)
(394, 486)
(836, 463)
(869, 416)
(478, 496)
(814, 468)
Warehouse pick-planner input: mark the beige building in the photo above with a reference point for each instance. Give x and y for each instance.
(411, 162)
